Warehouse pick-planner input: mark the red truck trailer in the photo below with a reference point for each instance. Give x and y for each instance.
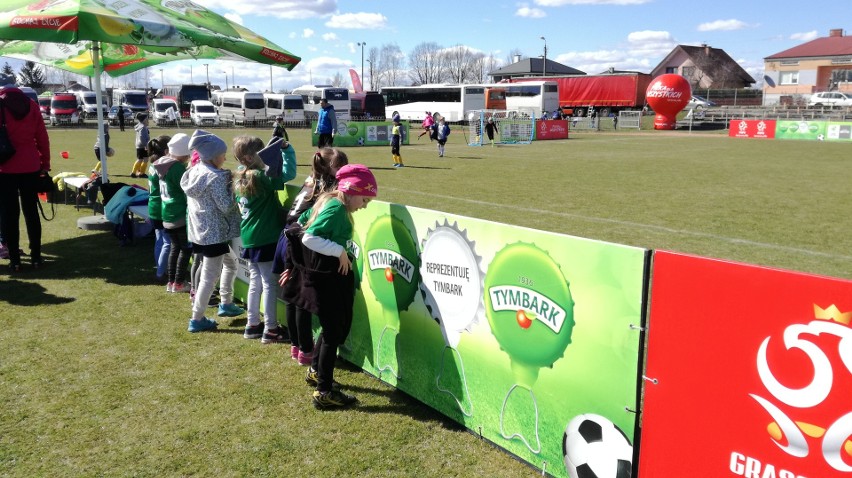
(606, 93)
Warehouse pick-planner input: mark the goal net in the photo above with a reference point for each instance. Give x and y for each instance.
(510, 127)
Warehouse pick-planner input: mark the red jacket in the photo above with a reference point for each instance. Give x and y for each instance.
(26, 132)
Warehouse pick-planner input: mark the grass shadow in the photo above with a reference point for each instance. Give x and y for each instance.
(29, 294)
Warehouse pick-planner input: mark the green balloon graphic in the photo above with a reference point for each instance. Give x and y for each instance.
(529, 306)
(393, 265)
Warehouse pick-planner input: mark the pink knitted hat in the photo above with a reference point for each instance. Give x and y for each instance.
(357, 179)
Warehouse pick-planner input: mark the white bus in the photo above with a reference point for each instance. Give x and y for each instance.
(291, 107)
(453, 102)
(312, 94)
(136, 100)
(241, 107)
(531, 98)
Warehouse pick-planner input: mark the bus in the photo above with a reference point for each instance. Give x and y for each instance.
(367, 105)
(530, 98)
(312, 94)
(241, 107)
(184, 95)
(290, 107)
(453, 102)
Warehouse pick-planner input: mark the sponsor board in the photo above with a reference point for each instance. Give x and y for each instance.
(764, 129)
(363, 133)
(551, 129)
(748, 372)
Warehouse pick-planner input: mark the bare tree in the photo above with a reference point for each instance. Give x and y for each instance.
(338, 81)
(375, 74)
(514, 52)
(391, 62)
(458, 61)
(426, 63)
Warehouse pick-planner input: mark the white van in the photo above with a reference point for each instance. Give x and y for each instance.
(202, 112)
(165, 111)
(136, 100)
(88, 100)
(240, 107)
(291, 107)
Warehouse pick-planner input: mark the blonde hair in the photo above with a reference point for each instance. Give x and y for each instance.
(323, 200)
(246, 149)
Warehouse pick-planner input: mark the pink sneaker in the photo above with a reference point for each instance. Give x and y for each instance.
(305, 358)
(294, 352)
(170, 287)
(181, 287)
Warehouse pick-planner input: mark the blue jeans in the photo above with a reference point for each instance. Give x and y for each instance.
(162, 246)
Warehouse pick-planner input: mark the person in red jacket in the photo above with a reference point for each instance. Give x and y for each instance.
(18, 175)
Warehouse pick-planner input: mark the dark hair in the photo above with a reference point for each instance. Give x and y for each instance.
(321, 170)
(157, 147)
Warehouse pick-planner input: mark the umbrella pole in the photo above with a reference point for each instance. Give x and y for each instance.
(96, 62)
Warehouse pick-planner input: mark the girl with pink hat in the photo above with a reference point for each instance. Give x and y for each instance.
(328, 285)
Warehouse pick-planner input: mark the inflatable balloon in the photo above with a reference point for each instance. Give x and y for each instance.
(667, 95)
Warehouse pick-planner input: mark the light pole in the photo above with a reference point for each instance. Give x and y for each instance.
(207, 70)
(362, 44)
(233, 78)
(544, 64)
(226, 80)
(162, 82)
(190, 74)
(271, 90)
(372, 87)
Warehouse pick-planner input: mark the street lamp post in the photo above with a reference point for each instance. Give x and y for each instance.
(207, 70)
(162, 82)
(226, 80)
(362, 44)
(190, 74)
(233, 78)
(544, 63)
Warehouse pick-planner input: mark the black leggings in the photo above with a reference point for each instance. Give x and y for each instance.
(178, 255)
(300, 324)
(15, 187)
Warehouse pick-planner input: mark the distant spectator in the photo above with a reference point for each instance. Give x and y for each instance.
(326, 124)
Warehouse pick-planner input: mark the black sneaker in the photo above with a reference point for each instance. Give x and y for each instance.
(312, 379)
(275, 336)
(253, 331)
(333, 399)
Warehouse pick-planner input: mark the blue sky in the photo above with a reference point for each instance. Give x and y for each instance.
(591, 35)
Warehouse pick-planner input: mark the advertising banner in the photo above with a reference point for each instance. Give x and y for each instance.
(764, 129)
(363, 133)
(839, 131)
(800, 129)
(551, 129)
(749, 372)
(524, 336)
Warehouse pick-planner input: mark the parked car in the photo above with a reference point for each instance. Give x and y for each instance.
(830, 98)
(112, 116)
(699, 102)
(202, 112)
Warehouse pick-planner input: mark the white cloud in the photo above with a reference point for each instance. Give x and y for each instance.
(559, 3)
(290, 9)
(526, 12)
(329, 36)
(307, 33)
(806, 36)
(722, 25)
(293, 35)
(234, 18)
(643, 50)
(360, 20)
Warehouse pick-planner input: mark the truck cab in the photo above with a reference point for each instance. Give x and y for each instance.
(165, 111)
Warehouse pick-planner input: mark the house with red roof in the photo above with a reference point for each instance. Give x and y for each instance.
(823, 64)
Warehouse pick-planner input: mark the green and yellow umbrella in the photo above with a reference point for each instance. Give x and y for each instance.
(122, 36)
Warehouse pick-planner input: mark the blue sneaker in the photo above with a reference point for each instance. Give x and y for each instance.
(202, 325)
(230, 310)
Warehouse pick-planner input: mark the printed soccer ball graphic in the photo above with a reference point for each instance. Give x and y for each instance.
(594, 447)
(361, 141)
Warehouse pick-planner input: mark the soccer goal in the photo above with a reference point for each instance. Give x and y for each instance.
(510, 127)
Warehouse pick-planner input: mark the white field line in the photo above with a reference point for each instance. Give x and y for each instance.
(661, 229)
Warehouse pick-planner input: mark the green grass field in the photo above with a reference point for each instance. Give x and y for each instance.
(98, 375)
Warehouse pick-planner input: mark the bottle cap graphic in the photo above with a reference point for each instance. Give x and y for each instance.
(392, 263)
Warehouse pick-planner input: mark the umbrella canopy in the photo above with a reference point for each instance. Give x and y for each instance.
(122, 36)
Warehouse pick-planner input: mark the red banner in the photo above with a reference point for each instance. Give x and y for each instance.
(749, 372)
(752, 129)
(551, 129)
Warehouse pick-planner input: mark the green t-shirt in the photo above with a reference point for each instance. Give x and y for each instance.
(262, 217)
(332, 222)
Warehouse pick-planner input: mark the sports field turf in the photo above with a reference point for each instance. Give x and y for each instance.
(99, 377)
